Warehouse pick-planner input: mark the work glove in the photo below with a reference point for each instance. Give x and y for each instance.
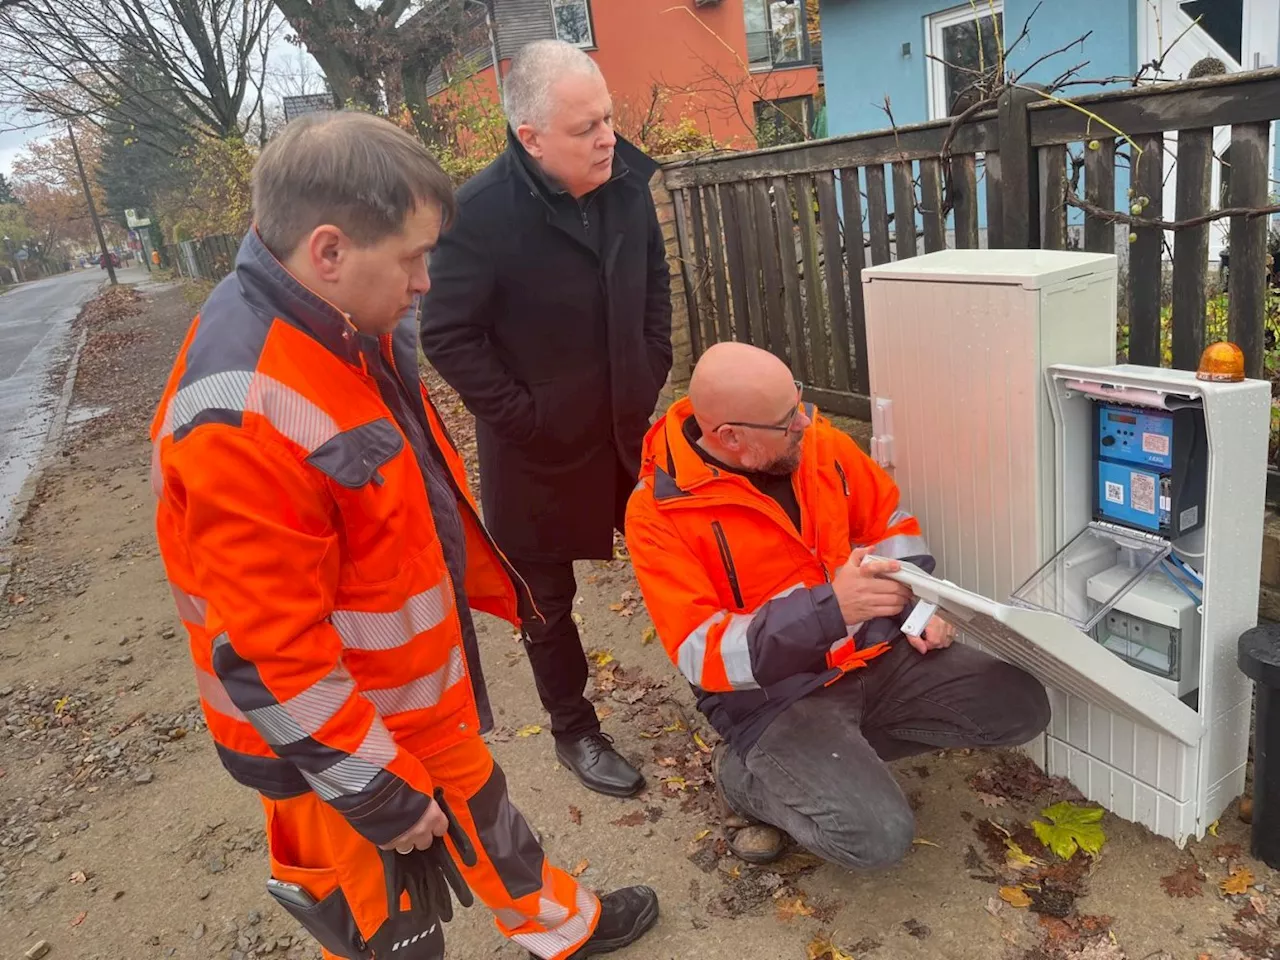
(427, 876)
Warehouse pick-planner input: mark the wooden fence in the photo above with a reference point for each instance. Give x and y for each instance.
(773, 242)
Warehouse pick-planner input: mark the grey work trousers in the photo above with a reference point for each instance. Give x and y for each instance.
(818, 771)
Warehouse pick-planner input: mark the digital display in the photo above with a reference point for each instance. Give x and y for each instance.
(1121, 418)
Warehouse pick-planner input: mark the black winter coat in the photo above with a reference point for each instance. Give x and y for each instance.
(552, 319)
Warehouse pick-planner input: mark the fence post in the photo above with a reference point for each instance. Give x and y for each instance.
(1019, 174)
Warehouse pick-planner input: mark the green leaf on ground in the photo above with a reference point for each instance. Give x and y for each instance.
(1071, 828)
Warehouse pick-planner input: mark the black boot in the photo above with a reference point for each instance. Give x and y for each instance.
(600, 767)
(625, 916)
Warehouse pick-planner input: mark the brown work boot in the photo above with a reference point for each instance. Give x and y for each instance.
(749, 839)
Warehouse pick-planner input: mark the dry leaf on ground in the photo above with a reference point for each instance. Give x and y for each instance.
(1184, 882)
(649, 635)
(579, 868)
(575, 815)
(632, 819)
(1240, 880)
(531, 730)
(601, 658)
(702, 835)
(990, 800)
(821, 948)
(790, 909)
(1015, 896)
(79, 918)
(1073, 828)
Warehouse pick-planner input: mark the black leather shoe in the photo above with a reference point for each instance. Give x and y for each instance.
(625, 916)
(600, 767)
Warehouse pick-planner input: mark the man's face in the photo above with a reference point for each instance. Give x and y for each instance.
(377, 284)
(770, 443)
(575, 147)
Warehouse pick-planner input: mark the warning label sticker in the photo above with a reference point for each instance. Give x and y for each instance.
(1115, 493)
(1156, 443)
(1142, 491)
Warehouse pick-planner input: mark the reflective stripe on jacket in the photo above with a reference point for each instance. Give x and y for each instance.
(298, 537)
(742, 600)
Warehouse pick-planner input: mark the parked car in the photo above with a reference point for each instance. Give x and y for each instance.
(115, 261)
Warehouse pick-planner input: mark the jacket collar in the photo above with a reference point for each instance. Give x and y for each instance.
(266, 281)
(678, 469)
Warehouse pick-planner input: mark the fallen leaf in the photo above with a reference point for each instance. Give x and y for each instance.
(648, 735)
(61, 704)
(632, 819)
(1240, 880)
(79, 918)
(79, 877)
(1015, 896)
(790, 909)
(821, 948)
(575, 815)
(577, 618)
(1073, 828)
(1259, 905)
(603, 711)
(1227, 851)
(701, 744)
(1213, 829)
(922, 842)
(579, 868)
(677, 727)
(615, 607)
(1016, 859)
(650, 634)
(990, 800)
(676, 783)
(994, 905)
(702, 835)
(601, 658)
(532, 730)
(668, 762)
(1184, 882)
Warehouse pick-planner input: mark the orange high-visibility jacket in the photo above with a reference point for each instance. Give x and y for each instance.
(301, 548)
(742, 600)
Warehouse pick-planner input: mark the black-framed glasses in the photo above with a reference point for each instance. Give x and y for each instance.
(781, 427)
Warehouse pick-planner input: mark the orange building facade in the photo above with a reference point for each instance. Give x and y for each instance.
(736, 68)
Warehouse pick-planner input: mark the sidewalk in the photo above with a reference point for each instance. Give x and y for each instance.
(121, 837)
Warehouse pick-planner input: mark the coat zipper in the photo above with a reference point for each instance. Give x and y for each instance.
(844, 482)
(727, 559)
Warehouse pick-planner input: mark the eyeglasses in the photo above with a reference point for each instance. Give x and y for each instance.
(783, 426)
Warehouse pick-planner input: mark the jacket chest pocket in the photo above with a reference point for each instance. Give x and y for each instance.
(370, 484)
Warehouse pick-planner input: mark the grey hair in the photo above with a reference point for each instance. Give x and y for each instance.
(353, 170)
(534, 70)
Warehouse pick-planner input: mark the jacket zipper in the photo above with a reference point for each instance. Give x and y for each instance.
(463, 501)
(844, 482)
(727, 559)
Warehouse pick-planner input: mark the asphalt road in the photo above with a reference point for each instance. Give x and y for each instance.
(35, 323)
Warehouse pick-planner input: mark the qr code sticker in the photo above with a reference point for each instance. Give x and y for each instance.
(1156, 443)
(1115, 493)
(1142, 489)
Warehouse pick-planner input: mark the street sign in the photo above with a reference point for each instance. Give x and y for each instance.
(131, 217)
(310, 103)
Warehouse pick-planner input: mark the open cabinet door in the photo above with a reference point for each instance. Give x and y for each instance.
(1053, 650)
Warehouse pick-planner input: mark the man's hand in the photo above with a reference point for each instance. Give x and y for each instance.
(433, 823)
(863, 594)
(938, 635)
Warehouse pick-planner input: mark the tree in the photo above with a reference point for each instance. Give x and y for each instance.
(380, 58)
(6, 192)
(177, 65)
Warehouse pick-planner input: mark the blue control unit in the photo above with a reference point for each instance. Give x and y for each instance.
(1150, 468)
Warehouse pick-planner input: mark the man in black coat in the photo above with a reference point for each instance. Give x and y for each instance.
(550, 314)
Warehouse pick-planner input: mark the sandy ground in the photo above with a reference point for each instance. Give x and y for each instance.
(121, 837)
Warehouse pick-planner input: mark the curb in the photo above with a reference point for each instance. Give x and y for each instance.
(52, 439)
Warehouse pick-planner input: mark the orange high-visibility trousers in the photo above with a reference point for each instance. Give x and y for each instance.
(535, 904)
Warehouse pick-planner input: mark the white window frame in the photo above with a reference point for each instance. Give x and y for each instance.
(935, 23)
(591, 26)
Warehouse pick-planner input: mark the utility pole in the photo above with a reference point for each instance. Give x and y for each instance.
(93, 211)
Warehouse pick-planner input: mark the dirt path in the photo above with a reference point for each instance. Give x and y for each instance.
(121, 837)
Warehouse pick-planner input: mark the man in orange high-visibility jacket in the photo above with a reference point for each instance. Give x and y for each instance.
(748, 533)
(325, 554)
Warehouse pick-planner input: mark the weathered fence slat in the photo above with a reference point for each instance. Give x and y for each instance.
(1145, 254)
(964, 200)
(1191, 246)
(878, 214)
(935, 221)
(775, 308)
(1247, 279)
(712, 197)
(1100, 190)
(791, 277)
(752, 273)
(994, 177)
(700, 293)
(733, 229)
(814, 312)
(855, 258)
(688, 269)
(1019, 182)
(1053, 198)
(904, 210)
(834, 265)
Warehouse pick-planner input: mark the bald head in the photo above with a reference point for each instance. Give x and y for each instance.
(745, 401)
